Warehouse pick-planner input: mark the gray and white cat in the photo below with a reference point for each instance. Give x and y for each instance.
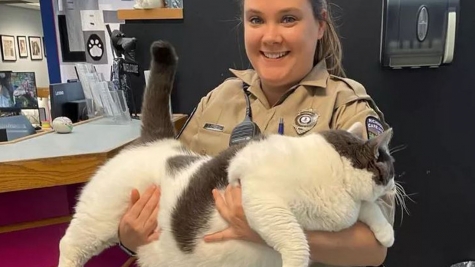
(323, 181)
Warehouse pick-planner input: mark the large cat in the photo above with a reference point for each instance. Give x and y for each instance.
(323, 181)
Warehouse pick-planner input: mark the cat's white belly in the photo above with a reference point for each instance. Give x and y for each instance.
(233, 253)
(331, 218)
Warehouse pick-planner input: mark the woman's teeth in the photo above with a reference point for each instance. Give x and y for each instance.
(275, 55)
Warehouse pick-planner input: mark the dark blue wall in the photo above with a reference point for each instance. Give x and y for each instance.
(49, 32)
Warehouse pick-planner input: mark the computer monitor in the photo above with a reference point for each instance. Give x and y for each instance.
(6, 90)
(25, 92)
(62, 93)
(18, 90)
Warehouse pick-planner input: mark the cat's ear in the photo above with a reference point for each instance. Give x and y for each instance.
(380, 142)
(357, 129)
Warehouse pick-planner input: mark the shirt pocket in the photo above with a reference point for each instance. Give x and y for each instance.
(210, 142)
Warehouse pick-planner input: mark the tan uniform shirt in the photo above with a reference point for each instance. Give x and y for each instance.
(319, 102)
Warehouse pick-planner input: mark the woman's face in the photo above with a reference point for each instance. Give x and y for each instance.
(280, 38)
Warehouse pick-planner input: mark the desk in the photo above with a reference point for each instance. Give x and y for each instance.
(39, 179)
(53, 159)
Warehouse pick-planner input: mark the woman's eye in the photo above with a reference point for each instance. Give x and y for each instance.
(255, 20)
(288, 19)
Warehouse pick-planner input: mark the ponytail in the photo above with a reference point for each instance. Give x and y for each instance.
(329, 46)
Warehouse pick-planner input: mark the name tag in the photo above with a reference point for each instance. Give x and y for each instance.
(213, 127)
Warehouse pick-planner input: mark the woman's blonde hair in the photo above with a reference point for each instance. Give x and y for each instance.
(329, 46)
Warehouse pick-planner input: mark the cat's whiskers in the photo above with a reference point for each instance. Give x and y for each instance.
(397, 149)
(400, 196)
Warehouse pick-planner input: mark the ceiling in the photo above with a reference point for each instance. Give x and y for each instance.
(30, 4)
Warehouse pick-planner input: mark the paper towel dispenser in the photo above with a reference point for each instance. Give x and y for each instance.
(418, 33)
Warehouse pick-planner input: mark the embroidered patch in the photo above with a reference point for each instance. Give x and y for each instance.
(213, 127)
(305, 121)
(373, 127)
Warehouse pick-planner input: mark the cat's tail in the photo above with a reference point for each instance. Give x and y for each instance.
(156, 118)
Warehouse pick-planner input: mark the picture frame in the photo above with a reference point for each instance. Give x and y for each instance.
(22, 46)
(7, 47)
(44, 46)
(66, 52)
(36, 47)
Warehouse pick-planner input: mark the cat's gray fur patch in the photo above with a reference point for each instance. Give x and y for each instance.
(177, 163)
(348, 146)
(360, 154)
(196, 204)
(156, 119)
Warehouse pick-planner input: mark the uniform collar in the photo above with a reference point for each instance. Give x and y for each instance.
(317, 77)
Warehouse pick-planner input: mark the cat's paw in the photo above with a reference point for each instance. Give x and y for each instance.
(163, 52)
(385, 235)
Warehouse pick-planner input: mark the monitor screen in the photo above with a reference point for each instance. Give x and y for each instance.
(18, 90)
(6, 90)
(25, 94)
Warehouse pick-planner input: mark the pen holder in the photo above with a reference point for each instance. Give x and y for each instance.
(88, 77)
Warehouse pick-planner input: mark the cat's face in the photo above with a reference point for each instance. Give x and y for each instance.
(371, 155)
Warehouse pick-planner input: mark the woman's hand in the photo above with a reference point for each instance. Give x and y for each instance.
(230, 208)
(139, 225)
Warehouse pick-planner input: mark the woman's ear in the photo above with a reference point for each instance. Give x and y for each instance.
(322, 24)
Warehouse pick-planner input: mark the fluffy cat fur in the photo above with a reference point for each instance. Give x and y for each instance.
(148, 4)
(323, 181)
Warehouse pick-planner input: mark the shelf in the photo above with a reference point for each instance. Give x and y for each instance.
(150, 14)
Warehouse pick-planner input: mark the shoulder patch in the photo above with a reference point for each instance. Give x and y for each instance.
(373, 127)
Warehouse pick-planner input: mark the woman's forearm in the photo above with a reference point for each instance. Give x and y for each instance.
(355, 246)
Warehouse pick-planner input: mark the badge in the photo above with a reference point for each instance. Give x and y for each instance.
(213, 127)
(373, 127)
(305, 121)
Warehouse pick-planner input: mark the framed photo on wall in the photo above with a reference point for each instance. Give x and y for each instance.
(7, 45)
(36, 49)
(44, 46)
(22, 46)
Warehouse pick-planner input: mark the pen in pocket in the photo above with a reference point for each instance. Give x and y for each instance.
(281, 126)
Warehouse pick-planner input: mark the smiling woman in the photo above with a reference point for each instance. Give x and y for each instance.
(285, 39)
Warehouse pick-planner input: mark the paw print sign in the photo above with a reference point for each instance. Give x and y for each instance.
(95, 47)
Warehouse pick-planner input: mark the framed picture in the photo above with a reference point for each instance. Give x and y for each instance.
(7, 44)
(36, 49)
(44, 46)
(22, 46)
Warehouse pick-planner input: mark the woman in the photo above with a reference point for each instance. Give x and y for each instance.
(298, 80)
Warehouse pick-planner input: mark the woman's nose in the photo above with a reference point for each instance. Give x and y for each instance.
(272, 35)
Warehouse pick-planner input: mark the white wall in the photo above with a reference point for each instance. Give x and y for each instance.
(23, 22)
(76, 31)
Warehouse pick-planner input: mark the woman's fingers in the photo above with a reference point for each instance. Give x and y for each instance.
(139, 205)
(227, 234)
(221, 206)
(150, 205)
